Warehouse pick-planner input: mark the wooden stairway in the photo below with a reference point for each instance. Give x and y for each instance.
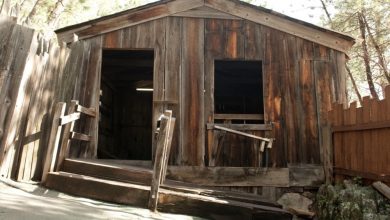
(137, 185)
(131, 185)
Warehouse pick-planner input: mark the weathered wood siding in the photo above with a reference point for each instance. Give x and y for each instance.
(30, 81)
(301, 80)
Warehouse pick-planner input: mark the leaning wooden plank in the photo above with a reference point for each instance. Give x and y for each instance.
(88, 111)
(230, 176)
(243, 127)
(65, 143)
(168, 150)
(382, 188)
(54, 140)
(241, 133)
(162, 146)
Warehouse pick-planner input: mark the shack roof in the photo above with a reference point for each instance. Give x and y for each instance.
(225, 9)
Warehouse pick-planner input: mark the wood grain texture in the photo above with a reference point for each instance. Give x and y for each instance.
(192, 92)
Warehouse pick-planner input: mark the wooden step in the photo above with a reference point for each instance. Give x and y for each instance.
(141, 175)
(110, 171)
(169, 200)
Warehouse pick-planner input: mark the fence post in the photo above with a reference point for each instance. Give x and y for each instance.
(55, 134)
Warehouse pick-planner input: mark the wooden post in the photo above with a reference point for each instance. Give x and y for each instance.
(64, 150)
(52, 147)
(164, 139)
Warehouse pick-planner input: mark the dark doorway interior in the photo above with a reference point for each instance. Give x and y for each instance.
(126, 103)
(238, 87)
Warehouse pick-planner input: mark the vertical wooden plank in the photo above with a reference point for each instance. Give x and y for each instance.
(360, 139)
(113, 39)
(23, 41)
(366, 135)
(54, 140)
(214, 49)
(164, 139)
(156, 40)
(192, 95)
(235, 48)
(375, 150)
(90, 95)
(172, 79)
(387, 137)
(65, 142)
(353, 139)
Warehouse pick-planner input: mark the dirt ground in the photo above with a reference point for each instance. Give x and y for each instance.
(27, 201)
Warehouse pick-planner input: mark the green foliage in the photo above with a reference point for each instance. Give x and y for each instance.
(351, 201)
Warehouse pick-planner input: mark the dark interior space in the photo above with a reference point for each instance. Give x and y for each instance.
(238, 87)
(126, 103)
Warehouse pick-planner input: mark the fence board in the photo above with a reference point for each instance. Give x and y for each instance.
(361, 138)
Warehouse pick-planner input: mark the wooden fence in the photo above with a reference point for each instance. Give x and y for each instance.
(31, 72)
(361, 139)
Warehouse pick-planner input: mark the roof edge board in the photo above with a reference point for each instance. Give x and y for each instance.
(124, 20)
(282, 24)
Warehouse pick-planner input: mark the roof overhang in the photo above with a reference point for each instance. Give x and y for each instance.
(233, 8)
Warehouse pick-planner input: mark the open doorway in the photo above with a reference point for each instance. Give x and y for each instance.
(126, 105)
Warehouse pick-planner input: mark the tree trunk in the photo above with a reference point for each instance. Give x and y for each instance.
(54, 15)
(378, 50)
(326, 12)
(5, 7)
(366, 56)
(354, 85)
(32, 13)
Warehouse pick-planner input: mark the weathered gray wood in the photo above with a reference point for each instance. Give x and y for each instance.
(242, 127)
(306, 175)
(88, 111)
(164, 138)
(80, 137)
(230, 176)
(242, 133)
(382, 188)
(54, 141)
(205, 12)
(239, 116)
(66, 119)
(65, 142)
(322, 37)
(127, 19)
(23, 42)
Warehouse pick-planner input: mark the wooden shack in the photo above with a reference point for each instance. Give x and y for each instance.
(216, 64)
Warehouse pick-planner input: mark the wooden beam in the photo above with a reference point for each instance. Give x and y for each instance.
(243, 127)
(242, 133)
(88, 111)
(382, 188)
(127, 19)
(366, 175)
(205, 12)
(80, 137)
(54, 140)
(283, 23)
(362, 127)
(230, 176)
(69, 118)
(239, 116)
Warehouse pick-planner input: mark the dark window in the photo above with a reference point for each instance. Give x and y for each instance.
(238, 87)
